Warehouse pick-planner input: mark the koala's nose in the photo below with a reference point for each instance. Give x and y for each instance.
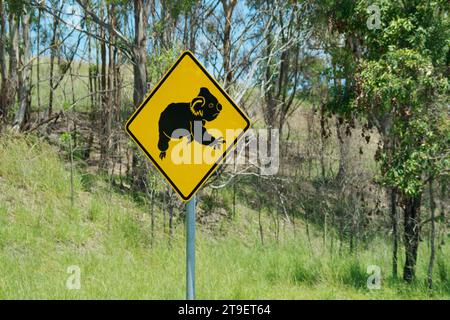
(219, 107)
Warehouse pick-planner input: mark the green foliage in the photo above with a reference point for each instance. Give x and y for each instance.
(181, 7)
(396, 82)
(72, 140)
(403, 84)
(17, 7)
(157, 65)
(93, 70)
(211, 203)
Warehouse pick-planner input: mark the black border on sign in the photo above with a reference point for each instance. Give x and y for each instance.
(223, 156)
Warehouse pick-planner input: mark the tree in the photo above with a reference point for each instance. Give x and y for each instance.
(402, 85)
(10, 80)
(4, 80)
(397, 82)
(53, 51)
(24, 88)
(141, 12)
(22, 114)
(282, 69)
(228, 8)
(136, 51)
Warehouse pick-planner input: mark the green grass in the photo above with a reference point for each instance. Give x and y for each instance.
(108, 236)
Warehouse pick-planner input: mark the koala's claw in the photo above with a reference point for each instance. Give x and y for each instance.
(217, 143)
(162, 155)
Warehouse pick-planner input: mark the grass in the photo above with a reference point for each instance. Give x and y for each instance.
(107, 236)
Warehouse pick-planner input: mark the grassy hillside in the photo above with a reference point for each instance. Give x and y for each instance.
(107, 235)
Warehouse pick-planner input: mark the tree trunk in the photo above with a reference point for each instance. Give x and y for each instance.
(393, 209)
(228, 8)
(141, 10)
(109, 110)
(308, 235)
(92, 78)
(71, 164)
(443, 210)
(151, 197)
(52, 66)
(341, 235)
(4, 83)
(350, 240)
(152, 212)
(140, 52)
(411, 234)
(163, 209)
(343, 141)
(171, 205)
(193, 28)
(322, 140)
(332, 237)
(325, 230)
(277, 217)
(22, 114)
(234, 198)
(10, 88)
(261, 234)
(38, 60)
(432, 235)
(104, 135)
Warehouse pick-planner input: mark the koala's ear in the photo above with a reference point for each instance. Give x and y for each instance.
(204, 92)
(197, 106)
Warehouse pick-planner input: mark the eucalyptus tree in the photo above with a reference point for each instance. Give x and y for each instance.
(397, 82)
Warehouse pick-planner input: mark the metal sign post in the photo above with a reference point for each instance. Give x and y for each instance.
(186, 98)
(190, 248)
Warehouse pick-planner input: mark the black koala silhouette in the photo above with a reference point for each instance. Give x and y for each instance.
(179, 118)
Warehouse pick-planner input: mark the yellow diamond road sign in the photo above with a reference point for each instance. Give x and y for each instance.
(187, 125)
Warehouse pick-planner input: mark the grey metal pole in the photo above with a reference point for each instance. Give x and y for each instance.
(190, 248)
